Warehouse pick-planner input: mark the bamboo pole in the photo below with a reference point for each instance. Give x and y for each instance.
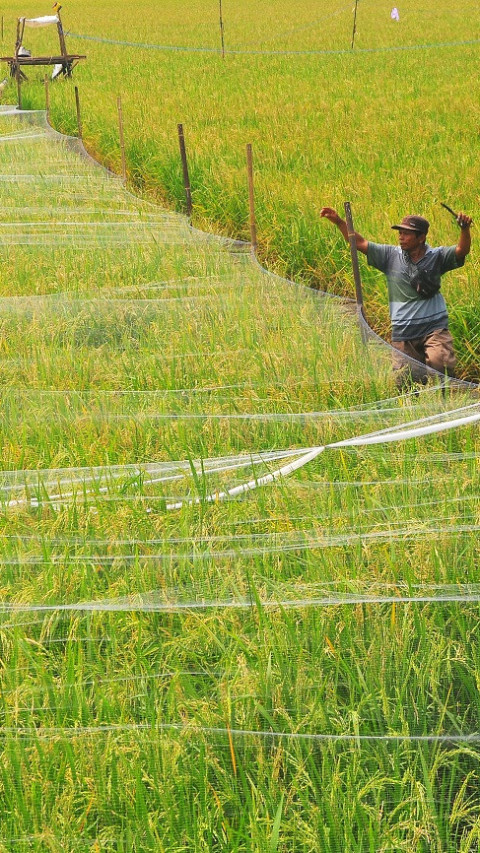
(354, 24)
(17, 37)
(122, 139)
(79, 115)
(222, 37)
(20, 32)
(61, 35)
(47, 97)
(186, 176)
(354, 254)
(251, 198)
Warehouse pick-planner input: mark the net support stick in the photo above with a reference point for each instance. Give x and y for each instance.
(186, 176)
(354, 253)
(354, 24)
(222, 39)
(19, 40)
(122, 139)
(19, 91)
(47, 97)
(79, 114)
(61, 35)
(251, 198)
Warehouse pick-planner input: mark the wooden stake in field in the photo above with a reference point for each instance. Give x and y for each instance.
(122, 139)
(79, 115)
(353, 251)
(20, 32)
(251, 198)
(354, 24)
(61, 35)
(186, 176)
(222, 38)
(19, 91)
(47, 98)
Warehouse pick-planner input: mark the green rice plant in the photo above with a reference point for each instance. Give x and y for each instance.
(327, 123)
(294, 668)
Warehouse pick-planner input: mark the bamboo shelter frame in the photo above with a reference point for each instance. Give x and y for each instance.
(17, 62)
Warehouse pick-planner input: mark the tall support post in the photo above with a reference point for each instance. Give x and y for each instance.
(354, 30)
(19, 90)
(186, 176)
(353, 251)
(222, 36)
(122, 139)
(61, 36)
(79, 114)
(19, 38)
(47, 98)
(251, 198)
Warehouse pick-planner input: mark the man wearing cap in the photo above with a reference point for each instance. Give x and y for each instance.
(413, 270)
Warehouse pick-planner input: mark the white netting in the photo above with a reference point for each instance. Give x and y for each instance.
(226, 542)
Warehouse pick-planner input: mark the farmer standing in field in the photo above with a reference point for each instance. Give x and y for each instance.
(413, 270)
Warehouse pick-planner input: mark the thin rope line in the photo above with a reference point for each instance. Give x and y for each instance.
(215, 50)
(43, 733)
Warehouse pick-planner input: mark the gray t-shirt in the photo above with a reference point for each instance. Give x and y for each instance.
(413, 316)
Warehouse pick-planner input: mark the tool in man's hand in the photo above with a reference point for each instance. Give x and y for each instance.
(455, 215)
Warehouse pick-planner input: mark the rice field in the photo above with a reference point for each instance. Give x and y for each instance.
(197, 653)
(391, 126)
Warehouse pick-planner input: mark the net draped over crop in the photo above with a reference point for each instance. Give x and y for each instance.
(234, 560)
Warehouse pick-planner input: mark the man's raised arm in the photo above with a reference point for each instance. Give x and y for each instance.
(465, 239)
(332, 215)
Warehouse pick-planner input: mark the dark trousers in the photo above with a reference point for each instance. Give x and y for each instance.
(435, 350)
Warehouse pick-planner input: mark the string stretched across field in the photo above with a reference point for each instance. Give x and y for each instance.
(272, 52)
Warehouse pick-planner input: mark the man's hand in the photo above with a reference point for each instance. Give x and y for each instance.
(464, 241)
(464, 221)
(331, 214)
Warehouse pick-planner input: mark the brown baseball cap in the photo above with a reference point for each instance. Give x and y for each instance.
(413, 223)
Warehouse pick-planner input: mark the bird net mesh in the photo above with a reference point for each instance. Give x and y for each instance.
(239, 588)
